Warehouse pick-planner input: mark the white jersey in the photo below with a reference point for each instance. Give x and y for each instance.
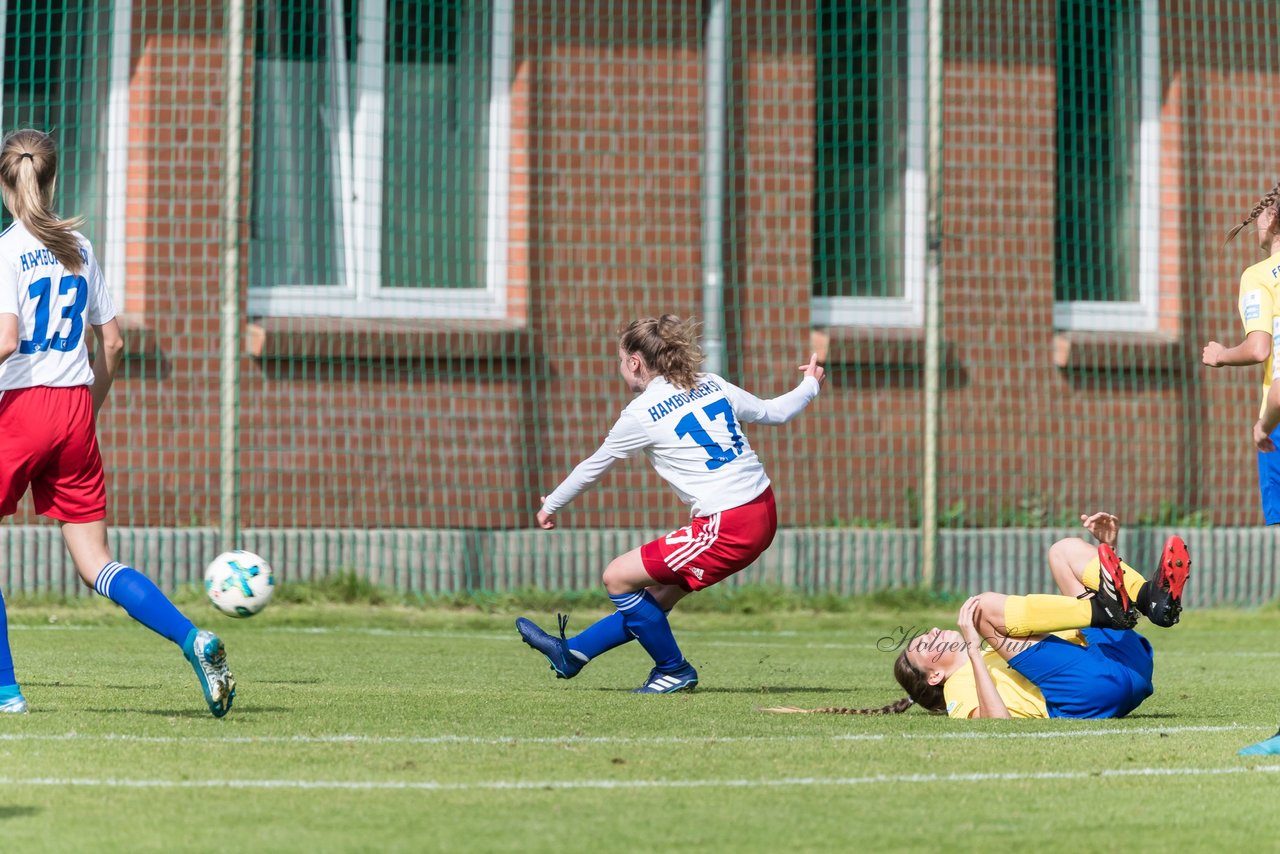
(694, 439)
(55, 309)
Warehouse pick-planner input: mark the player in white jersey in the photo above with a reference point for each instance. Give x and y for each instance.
(51, 294)
(688, 424)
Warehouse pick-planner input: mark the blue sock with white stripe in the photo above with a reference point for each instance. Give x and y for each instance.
(6, 655)
(143, 601)
(601, 636)
(647, 622)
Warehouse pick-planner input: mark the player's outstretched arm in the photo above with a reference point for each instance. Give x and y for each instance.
(779, 410)
(625, 439)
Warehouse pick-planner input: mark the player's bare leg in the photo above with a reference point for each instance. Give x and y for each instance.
(142, 600)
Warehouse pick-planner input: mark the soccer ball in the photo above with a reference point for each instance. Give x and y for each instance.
(239, 583)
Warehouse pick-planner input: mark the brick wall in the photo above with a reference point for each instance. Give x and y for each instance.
(605, 214)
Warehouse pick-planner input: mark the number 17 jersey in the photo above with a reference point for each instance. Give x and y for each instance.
(54, 306)
(694, 439)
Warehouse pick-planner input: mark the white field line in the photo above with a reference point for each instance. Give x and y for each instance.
(513, 740)
(521, 785)
(703, 639)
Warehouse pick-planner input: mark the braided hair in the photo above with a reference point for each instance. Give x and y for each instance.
(895, 708)
(913, 680)
(1267, 201)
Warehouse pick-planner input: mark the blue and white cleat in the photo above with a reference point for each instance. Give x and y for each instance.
(208, 658)
(1270, 747)
(564, 661)
(684, 679)
(11, 701)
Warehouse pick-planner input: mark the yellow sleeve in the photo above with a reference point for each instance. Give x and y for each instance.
(1256, 302)
(961, 692)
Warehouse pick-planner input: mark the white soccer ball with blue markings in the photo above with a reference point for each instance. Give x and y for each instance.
(239, 583)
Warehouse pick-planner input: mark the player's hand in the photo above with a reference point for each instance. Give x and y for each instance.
(968, 624)
(1212, 354)
(546, 521)
(1261, 439)
(1104, 527)
(813, 369)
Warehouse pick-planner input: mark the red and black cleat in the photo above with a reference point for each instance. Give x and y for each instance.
(1166, 587)
(1112, 608)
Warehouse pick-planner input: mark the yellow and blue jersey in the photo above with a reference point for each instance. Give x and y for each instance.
(1020, 695)
(1259, 307)
(1090, 673)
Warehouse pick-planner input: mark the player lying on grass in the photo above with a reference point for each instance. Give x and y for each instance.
(689, 424)
(1069, 656)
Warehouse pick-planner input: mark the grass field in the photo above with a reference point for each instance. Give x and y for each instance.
(360, 728)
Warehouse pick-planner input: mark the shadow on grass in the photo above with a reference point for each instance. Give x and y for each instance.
(764, 689)
(11, 811)
(236, 711)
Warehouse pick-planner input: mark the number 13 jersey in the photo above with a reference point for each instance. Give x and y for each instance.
(693, 439)
(54, 306)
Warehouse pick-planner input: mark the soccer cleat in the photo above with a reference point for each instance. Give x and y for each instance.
(684, 679)
(1270, 747)
(11, 700)
(208, 658)
(1166, 587)
(563, 660)
(1111, 606)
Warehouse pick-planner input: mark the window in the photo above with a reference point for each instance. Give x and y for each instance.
(66, 71)
(379, 172)
(869, 163)
(1105, 232)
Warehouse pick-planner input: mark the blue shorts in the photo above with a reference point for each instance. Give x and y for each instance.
(1109, 678)
(1269, 481)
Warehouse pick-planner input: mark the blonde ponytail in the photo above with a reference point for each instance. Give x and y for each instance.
(28, 170)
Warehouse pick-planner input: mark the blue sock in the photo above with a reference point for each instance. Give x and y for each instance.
(143, 601)
(601, 636)
(6, 656)
(645, 619)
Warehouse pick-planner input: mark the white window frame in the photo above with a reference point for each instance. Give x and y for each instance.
(1141, 315)
(359, 175)
(112, 256)
(908, 309)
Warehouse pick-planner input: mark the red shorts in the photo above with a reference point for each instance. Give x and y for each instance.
(48, 442)
(711, 548)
